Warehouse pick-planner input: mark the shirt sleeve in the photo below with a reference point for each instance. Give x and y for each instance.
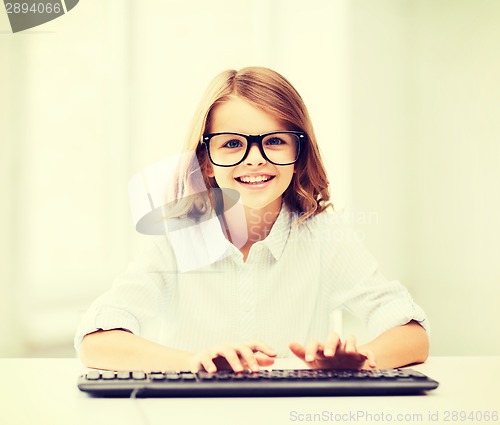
(355, 283)
(137, 296)
(383, 304)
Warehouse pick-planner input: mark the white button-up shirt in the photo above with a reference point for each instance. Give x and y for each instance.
(285, 291)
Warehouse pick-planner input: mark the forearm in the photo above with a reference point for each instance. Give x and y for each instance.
(400, 346)
(122, 350)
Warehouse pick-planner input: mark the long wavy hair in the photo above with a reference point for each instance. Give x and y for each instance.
(307, 194)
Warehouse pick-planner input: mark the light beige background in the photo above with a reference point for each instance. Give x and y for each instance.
(404, 95)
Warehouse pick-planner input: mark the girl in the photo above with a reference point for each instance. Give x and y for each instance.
(287, 263)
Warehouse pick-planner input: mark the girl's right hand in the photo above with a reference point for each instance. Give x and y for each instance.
(235, 356)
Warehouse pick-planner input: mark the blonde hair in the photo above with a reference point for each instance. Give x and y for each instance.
(267, 90)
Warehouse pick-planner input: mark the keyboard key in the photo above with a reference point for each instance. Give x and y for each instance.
(188, 376)
(93, 375)
(123, 375)
(138, 375)
(417, 375)
(108, 374)
(206, 376)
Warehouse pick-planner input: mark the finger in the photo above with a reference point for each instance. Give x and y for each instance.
(298, 349)
(248, 356)
(220, 358)
(342, 346)
(264, 360)
(263, 348)
(332, 343)
(350, 344)
(312, 348)
(232, 358)
(207, 363)
(370, 358)
(196, 367)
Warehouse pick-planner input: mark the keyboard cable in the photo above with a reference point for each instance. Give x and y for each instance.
(136, 401)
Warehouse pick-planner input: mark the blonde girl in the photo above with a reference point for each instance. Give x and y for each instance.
(288, 261)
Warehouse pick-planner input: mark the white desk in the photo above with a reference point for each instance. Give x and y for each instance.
(44, 392)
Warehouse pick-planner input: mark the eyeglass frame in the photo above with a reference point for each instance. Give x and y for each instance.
(253, 139)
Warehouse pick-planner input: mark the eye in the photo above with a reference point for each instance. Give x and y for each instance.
(275, 141)
(232, 144)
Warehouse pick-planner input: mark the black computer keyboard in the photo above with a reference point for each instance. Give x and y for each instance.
(266, 383)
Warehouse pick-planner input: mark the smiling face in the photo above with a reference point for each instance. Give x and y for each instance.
(260, 183)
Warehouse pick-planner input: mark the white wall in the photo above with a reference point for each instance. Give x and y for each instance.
(9, 313)
(426, 149)
(457, 111)
(402, 93)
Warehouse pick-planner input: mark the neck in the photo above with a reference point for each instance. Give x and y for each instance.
(259, 222)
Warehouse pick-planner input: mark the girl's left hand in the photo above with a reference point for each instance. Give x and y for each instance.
(335, 354)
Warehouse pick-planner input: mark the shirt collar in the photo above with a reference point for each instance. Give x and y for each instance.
(278, 236)
(201, 244)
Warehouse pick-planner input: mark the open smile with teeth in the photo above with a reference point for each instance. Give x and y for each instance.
(255, 179)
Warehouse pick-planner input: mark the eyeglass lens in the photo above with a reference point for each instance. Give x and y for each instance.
(279, 148)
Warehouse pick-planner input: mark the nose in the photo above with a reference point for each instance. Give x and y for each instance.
(254, 156)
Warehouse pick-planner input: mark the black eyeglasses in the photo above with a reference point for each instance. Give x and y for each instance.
(230, 149)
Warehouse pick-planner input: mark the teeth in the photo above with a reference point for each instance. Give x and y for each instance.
(254, 179)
